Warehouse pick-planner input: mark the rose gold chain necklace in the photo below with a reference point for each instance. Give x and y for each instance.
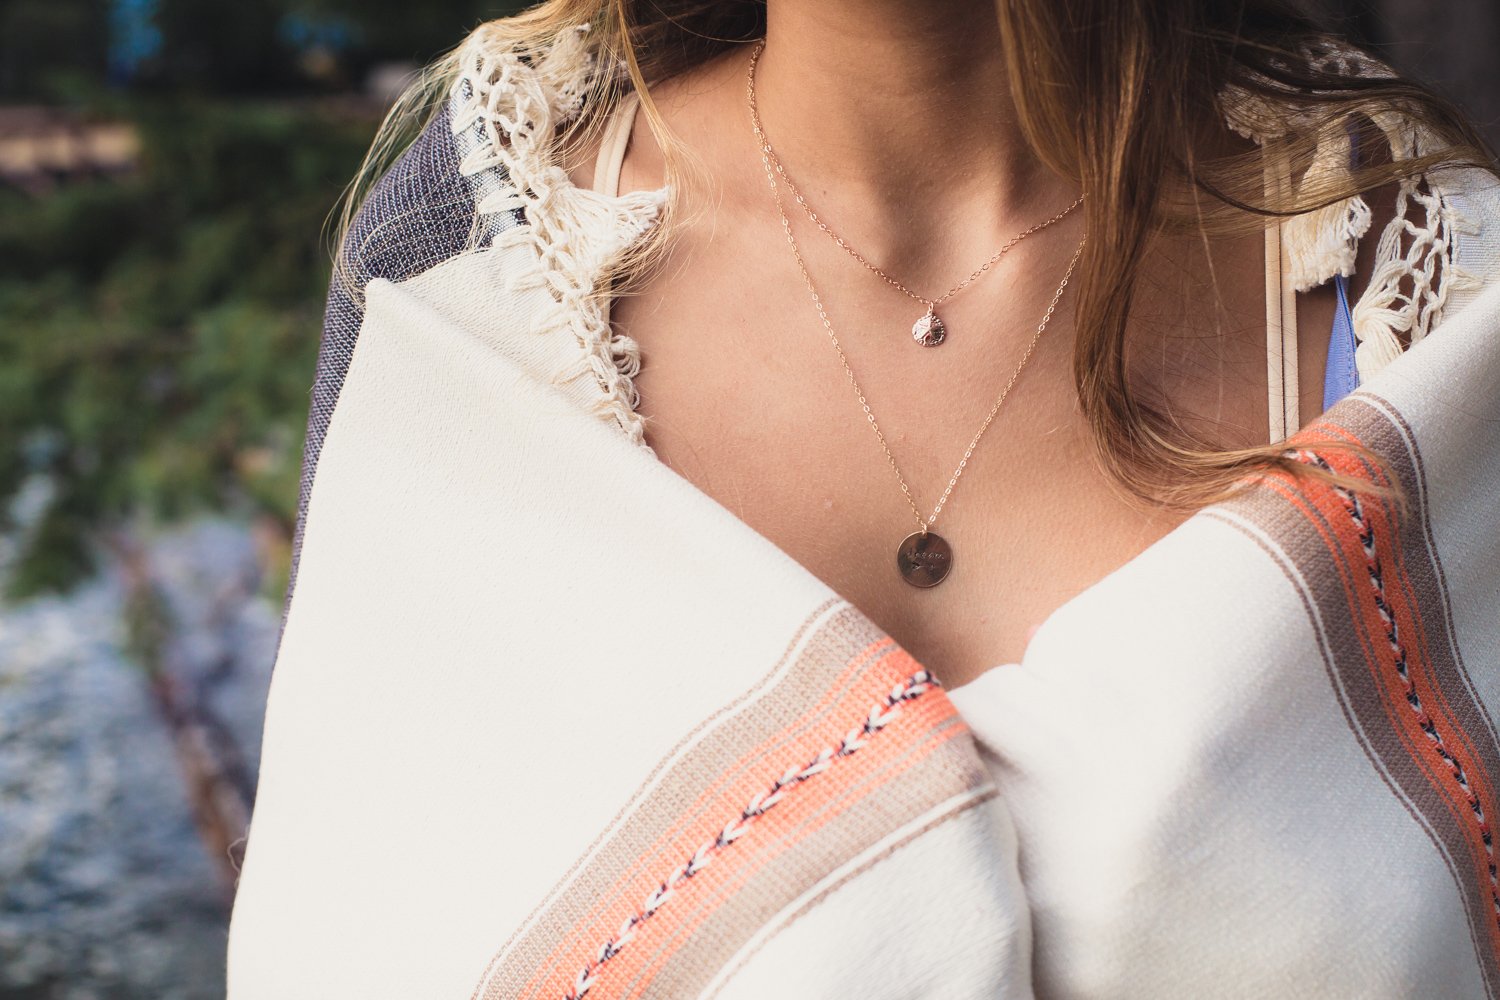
(929, 330)
(924, 558)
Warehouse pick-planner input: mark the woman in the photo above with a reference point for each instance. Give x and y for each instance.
(636, 548)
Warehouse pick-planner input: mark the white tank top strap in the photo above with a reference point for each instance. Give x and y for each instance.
(1281, 321)
(613, 144)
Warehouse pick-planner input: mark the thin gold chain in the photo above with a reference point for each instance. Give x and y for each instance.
(786, 226)
(769, 153)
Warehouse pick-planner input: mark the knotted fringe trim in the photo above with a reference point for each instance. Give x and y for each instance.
(1415, 266)
(1319, 244)
(507, 104)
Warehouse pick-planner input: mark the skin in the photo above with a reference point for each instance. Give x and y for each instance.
(927, 174)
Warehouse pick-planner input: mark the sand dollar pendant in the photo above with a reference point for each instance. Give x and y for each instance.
(929, 331)
(924, 558)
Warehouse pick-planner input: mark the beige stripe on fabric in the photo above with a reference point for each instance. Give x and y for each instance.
(720, 927)
(1296, 541)
(795, 647)
(719, 759)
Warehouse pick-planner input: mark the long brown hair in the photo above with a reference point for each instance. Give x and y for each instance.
(1113, 94)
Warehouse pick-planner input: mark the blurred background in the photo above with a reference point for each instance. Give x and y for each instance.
(167, 169)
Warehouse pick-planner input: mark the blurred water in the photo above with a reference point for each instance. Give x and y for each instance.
(106, 889)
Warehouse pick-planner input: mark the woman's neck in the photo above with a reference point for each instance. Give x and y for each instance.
(892, 98)
(893, 117)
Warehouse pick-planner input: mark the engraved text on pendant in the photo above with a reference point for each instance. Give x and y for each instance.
(929, 331)
(924, 558)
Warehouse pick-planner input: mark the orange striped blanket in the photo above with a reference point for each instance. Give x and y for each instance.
(548, 722)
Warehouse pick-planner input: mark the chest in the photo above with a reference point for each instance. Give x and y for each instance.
(747, 396)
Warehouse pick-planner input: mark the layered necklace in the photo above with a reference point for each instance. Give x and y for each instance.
(929, 330)
(923, 558)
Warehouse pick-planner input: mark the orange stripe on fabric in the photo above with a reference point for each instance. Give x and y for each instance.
(585, 940)
(680, 933)
(830, 789)
(731, 783)
(1411, 633)
(1411, 627)
(784, 829)
(725, 796)
(731, 789)
(1354, 594)
(1371, 630)
(1412, 630)
(1405, 611)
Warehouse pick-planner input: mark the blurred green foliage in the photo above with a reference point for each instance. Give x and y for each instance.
(159, 332)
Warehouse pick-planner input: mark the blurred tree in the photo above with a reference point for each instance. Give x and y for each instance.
(158, 330)
(161, 331)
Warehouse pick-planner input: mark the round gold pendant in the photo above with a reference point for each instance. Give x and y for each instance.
(929, 331)
(924, 558)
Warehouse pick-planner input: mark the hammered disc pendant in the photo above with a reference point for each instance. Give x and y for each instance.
(929, 331)
(924, 558)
